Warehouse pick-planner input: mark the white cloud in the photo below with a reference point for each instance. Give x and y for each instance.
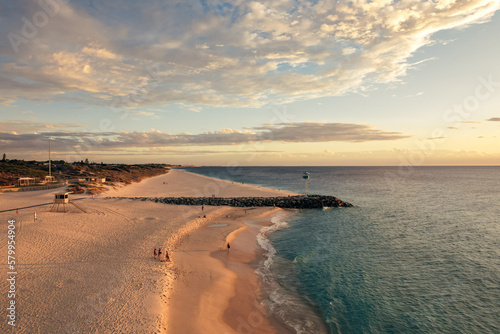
(24, 126)
(99, 53)
(235, 53)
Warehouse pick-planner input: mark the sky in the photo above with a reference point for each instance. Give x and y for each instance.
(282, 82)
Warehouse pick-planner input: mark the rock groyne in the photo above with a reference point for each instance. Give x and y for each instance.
(289, 202)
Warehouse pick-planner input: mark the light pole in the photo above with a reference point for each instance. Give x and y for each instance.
(306, 177)
(50, 171)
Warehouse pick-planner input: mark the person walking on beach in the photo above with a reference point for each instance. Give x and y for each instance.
(202, 207)
(34, 217)
(228, 247)
(159, 253)
(155, 253)
(167, 258)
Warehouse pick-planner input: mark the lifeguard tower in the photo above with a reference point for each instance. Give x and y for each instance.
(63, 199)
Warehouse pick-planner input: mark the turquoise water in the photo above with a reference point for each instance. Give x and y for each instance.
(419, 252)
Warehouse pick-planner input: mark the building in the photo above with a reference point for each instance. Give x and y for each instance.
(26, 181)
(50, 179)
(92, 179)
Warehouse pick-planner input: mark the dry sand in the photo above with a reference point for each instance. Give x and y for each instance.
(181, 183)
(95, 272)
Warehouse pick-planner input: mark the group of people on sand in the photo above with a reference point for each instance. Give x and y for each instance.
(157, 255)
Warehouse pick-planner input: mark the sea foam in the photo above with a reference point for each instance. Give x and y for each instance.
(284, 303)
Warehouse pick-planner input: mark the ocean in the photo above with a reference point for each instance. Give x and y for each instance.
(418, 253)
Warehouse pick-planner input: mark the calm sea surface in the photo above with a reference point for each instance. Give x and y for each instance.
(418, 253)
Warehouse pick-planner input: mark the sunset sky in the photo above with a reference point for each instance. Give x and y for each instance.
(283, 82)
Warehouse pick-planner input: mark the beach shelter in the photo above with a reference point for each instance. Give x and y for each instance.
(26, 181)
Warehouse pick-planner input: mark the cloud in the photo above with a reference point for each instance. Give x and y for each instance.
(67, 141)
(218, 53)
(24, 126)
(327, 153)
(414, 95)
(171, 152)
(148, 114)
(494, 119)
(325, 132)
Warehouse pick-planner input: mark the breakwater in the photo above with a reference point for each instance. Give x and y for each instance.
(289, 202)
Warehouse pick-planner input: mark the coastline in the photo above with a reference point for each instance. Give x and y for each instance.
(191, 185)
(219, 291)
(246, 259)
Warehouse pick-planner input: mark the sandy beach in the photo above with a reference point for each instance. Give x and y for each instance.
(95, 272)
(224, 281)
